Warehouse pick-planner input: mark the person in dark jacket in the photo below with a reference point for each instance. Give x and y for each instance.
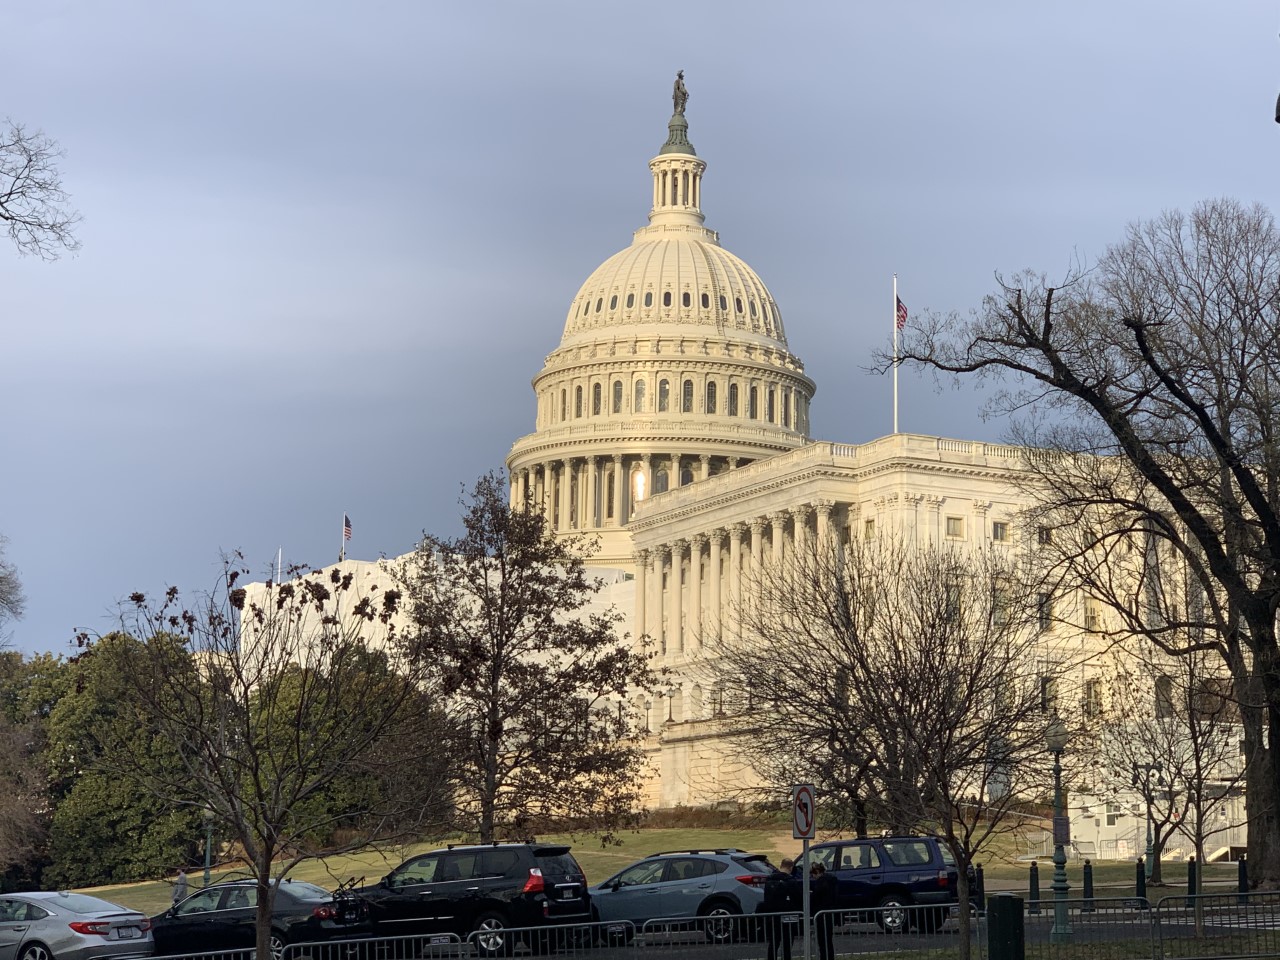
(822, 900)
(781, 894)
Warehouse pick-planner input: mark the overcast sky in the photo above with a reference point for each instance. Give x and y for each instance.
(326, 246)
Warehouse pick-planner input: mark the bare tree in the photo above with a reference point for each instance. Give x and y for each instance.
(1163, 363)
(33, 204)
(12, 601)
(22, 792)
(535, 681)
(272, 699)
(895, 677)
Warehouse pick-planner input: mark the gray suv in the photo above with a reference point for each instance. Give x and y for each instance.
(715, 884)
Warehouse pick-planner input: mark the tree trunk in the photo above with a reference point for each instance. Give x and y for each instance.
(962, 891)
(263, 921)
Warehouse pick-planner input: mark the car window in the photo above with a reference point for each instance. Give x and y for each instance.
(947, 856)
(498, 863)
(201, 902)
(648, 872)
(559, 865)
(418, 870)
(301, 890)
(825, 856)
(457, 866)
(685, 868)
(239, 898)
(80, 903)
(751, 864)
(859, 856)
(11, 910)
(908, 853)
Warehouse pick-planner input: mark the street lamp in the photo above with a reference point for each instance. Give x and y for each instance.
(208, 816)
(1142, 778)
(1055, 737)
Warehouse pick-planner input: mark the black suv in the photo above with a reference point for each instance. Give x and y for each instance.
(893, 873)
(461, 889)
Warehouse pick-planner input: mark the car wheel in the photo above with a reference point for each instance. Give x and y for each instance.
(277, 945)
(720, 923)
(36, 951)
(892, 915)
(491, 937)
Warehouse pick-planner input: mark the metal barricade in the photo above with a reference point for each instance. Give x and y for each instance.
(919, 931)
(1219, 926)
(604, 940)
(246, 954)
(1100, 929)
(433, 946)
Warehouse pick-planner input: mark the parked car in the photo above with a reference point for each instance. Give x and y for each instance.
(70, 926)
(224, 917)
(489, 888)
(894, 874)
(718, 884)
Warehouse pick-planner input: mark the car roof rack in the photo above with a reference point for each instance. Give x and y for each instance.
(722, 851)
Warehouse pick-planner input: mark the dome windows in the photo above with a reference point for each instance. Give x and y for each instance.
(666, 298)
(564, 404)
(664, 396)
(711, 396)
(686, 397)
(753, 309)
(733, 400)
(639, 404)
(737, 303)
(753, 403)
(706, 301)
(631, 300)
(648, 298)
(596, 391)
(724, 304)
(786, 406)
(577, 402)
(686, 300)
(617, 396)
(613, 302)
(600, 306)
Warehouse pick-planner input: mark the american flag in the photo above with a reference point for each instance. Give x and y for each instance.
(902, 313)
(346, 527)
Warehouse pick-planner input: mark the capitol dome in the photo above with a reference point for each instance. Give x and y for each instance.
(673, 367)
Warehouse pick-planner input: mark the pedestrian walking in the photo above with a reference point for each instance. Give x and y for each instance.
(780, 896)
(822, 904)
(180, 886)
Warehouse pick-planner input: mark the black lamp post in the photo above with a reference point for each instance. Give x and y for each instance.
(1142, 778)
(208, 816)
(1056, 736)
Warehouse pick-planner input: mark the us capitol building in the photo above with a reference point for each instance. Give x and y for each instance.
(671, 425)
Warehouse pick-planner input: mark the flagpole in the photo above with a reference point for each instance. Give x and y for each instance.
(342, 551)
(895, 353)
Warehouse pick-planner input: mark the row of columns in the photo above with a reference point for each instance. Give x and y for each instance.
(574, 492)
(675, 619)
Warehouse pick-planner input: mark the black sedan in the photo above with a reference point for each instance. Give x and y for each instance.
(222, 917)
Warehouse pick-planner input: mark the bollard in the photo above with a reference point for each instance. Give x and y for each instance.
(1191, 881)
(981, 884)
(1088, 887)
(1006, 939)
(1141, 891)
(1242, 879)
(1033, 904)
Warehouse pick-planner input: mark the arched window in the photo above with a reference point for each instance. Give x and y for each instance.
(639, 404)
(564, 404)
(733, 400)
(648, 298)
(664, 396)
(737, 302)
(631, 300)
(1164, 698)
(613, 302)
(711, 396)
(617, 396)
(753, 403)
(786, 406)
(753, 309)
(706, 301)
(666, 298)
(769, 407)
(686, 397)
(638, 491)
(685, 299)
(686, 476)
(724, 304)
(577, 402)
(596, 391)
(660, 480)
(608, 496)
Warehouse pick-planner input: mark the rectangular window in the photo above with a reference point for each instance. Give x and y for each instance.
(955, 528)
(1048, 694)
(1044, 535)
(999, 531)
(1092, 704)
(1114, 813)
(869, 529)
(1092, 616)
(1044, 611)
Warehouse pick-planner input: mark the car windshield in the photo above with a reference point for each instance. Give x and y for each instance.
(908, 853)
(79, 903)
(301, 890)
(755, 864)
(947, 858)
(562, 865)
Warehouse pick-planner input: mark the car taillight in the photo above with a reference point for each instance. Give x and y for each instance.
(325, 912)
(144, 925)
(97, 927)
(944, 877)
(752, 879)
(535, 883)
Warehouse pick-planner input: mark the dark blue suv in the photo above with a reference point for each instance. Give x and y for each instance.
(894, 874)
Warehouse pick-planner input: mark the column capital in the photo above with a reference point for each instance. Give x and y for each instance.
(779, 516)
(824, 507)
(715, 537)
(617, 458)
(591, 460)
(646, 459)
(659, 553)
(801, 512)
(698, 540)
(758, 524)
(981, 507)
(705, 458)
(738, 528)
(641, 557)
(676, 547)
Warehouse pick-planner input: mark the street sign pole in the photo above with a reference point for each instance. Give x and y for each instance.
(804, 824)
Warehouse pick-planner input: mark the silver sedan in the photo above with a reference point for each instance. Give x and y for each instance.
(70, 926)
